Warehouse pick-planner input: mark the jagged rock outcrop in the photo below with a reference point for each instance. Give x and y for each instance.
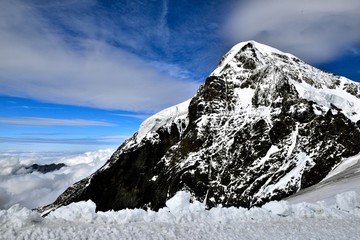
(263, 126)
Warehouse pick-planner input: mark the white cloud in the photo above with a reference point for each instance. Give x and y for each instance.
(315, 31)
(163, 28)
(36, 189)
(38, 62)
(130, 115)
(115, 137)
(109, 141)
(54, 122)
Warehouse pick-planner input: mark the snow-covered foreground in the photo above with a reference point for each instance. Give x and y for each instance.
(328, 210)
(184, 220)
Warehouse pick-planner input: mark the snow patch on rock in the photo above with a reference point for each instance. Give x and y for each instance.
(163, 118)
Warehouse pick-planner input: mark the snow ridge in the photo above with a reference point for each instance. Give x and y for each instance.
(163, 118)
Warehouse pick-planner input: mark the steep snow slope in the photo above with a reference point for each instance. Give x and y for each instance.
(345, 177)
(262, 127)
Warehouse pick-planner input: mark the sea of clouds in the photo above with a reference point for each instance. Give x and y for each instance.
(18, 185)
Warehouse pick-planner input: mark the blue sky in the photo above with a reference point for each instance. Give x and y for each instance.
(79, 75)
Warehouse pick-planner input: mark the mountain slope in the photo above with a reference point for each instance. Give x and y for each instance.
(345, 177)
(263, 126)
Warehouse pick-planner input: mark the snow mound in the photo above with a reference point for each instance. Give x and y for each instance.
(348, 201)
(280, 208)
(17, 217)
(186, 218)
(78, 211)
(179, 203)
(182, 208)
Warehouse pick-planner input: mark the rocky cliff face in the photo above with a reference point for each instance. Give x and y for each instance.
(263, 126)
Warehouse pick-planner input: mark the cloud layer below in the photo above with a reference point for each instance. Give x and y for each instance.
(37, 189)
(315, 31)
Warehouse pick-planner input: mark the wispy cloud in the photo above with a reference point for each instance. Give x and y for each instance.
(81, 68)
(355, 51)
(33, 107)
(54, 122)
(115, 137)
(100, 141)
(48, 133)
(163, 27)
(314, 30)
(129, 115)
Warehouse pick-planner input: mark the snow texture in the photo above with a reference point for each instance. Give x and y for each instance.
(183, 219)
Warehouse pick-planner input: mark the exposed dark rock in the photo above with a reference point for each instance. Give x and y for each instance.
(45, 168)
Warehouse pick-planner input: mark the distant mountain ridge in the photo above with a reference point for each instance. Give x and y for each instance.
(263, 126)
(46, 167)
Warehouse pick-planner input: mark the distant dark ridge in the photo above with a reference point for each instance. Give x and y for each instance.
(45, 168)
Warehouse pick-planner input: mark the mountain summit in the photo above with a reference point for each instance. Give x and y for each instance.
(263, 126)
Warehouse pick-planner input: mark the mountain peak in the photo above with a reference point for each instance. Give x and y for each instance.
(263, 126)
(264, 69)
(258, 49)
(264, 49)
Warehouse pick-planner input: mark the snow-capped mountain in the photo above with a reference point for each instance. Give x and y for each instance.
(263, 126)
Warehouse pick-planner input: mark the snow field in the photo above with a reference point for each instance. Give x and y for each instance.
(184, 218)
